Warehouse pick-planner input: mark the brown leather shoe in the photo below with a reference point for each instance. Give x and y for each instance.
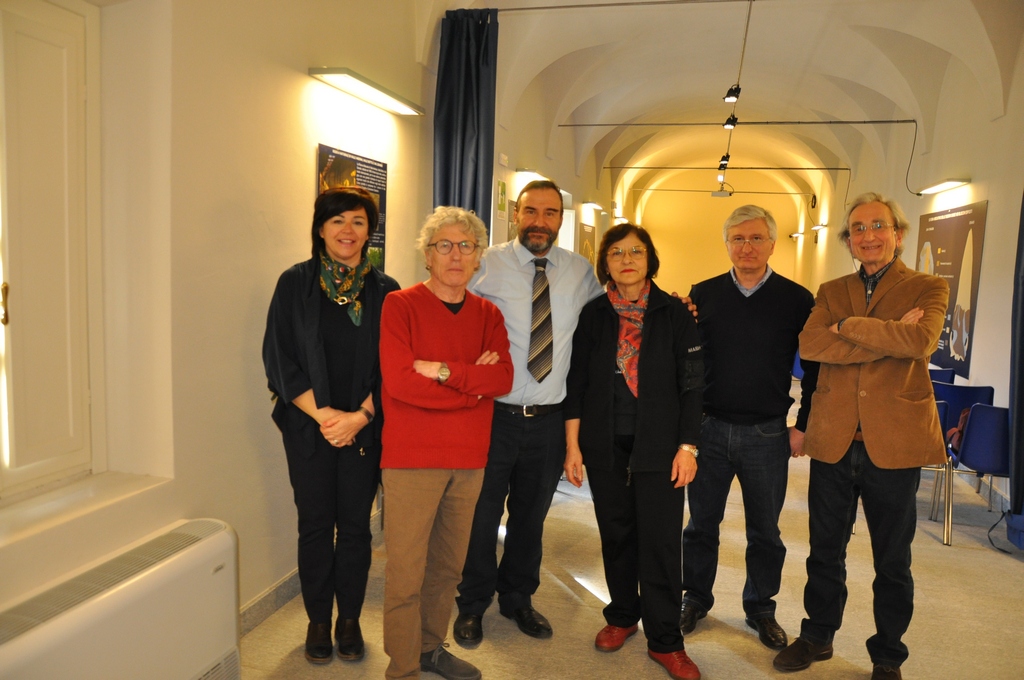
(319, 645)
(611, 638)
(678, 664)
(800, 655)
(350, 640)
(881, 672)
(690, 613)
(769, 632)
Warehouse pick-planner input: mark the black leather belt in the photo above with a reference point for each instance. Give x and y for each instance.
(528, 410)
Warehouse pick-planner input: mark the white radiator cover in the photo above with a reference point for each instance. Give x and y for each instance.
(166, 609)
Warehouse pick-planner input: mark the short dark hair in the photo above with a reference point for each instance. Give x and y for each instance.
(332, 203)
(616, 234)
(541, 184)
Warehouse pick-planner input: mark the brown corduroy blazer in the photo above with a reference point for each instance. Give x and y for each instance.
(875, 370)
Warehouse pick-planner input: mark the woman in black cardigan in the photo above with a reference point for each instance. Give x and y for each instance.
(633, 413)
(320, 354)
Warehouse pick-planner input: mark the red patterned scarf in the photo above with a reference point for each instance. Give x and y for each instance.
(631, 326)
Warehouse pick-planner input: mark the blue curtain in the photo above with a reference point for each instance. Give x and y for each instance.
(1015, 521)
(464, 111)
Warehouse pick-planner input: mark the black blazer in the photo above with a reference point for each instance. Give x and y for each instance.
(670, 384)
(293, 353)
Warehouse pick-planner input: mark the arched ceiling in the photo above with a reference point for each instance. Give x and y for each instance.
(603, 64)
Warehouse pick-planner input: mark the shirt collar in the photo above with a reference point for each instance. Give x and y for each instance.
(873, 279)
(750, 291)
(525, 257)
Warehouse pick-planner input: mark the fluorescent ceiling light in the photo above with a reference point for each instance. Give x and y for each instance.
(352, 83)
(945, 185)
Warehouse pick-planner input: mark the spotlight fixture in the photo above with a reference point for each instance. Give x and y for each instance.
(730, 122)
(734, 92)
(944, 185)
(724, 163)
(361, 87)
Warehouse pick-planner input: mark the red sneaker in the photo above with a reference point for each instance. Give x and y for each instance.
(611, 638)
(678, 665)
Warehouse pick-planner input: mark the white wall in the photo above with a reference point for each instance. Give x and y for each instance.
(210, 128)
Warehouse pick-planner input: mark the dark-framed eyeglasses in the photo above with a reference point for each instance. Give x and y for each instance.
(876, 227)
(638, 252)
(444, 246)
(756, 241)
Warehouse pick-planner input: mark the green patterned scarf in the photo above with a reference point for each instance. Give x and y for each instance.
(343, 284)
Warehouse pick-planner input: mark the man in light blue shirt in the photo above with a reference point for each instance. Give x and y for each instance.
(528, 433)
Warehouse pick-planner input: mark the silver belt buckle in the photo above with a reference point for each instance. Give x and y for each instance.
(529, 410)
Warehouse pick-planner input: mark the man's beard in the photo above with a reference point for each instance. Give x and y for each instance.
(537, 247)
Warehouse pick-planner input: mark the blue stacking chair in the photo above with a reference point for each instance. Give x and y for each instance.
(945, 375)
(957, 398)
(985, 447)
(798, 371)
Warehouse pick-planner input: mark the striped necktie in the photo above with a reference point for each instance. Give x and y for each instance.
(539, 361)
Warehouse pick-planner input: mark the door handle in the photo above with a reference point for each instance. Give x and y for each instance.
(3, 303)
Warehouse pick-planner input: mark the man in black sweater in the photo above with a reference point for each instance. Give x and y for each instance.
(749, 320)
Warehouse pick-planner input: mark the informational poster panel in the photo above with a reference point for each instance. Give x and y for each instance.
(949, 246)
(336, 168)
(588, 242)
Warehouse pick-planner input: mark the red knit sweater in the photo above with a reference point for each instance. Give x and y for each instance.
(427, 424)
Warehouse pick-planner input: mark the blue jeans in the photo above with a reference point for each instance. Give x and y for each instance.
(758, 455)
(889, 498)
(524, 465)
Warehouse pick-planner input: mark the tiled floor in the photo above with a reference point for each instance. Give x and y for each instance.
(969, 619)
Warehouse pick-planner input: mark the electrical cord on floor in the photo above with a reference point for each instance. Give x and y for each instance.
(1001, 517)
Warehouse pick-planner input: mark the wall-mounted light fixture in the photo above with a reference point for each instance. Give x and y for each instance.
(352, 83)
(593, 206)
(730, 122)
(796, 235)
(817, 230)
(944, 185)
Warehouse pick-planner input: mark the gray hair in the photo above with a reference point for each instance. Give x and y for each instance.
(750, 212)
(445, 215)
(901, 226)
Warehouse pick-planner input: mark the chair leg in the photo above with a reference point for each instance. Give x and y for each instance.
(936, 494)
(991, 482)
(947, 524)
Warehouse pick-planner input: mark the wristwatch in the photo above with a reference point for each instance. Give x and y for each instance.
(689, 447)
(443, 373)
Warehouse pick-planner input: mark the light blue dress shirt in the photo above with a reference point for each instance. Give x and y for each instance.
(506, 279)
(747, 292)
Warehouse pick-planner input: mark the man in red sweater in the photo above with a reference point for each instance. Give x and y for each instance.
(444, 356)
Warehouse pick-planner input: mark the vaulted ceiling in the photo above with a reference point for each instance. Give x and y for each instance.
(640, 84)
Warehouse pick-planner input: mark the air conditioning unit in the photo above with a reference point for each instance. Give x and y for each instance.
(165, 609)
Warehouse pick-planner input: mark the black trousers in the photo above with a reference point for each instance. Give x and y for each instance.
(640, 518)
(334, 491)
(889, 498)
(524, 465)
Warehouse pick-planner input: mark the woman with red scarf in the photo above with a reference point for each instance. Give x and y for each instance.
(633, 413)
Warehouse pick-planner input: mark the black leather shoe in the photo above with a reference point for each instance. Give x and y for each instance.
(350, 640)
(319, 645)
(800, 655)
(690, 613)
(530, 621)
(468, 630)
(881, 672)
(769, 632)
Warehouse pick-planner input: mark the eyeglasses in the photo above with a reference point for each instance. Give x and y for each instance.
(876, 227)
(444, 246)
(638, 252)
(755, 241)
